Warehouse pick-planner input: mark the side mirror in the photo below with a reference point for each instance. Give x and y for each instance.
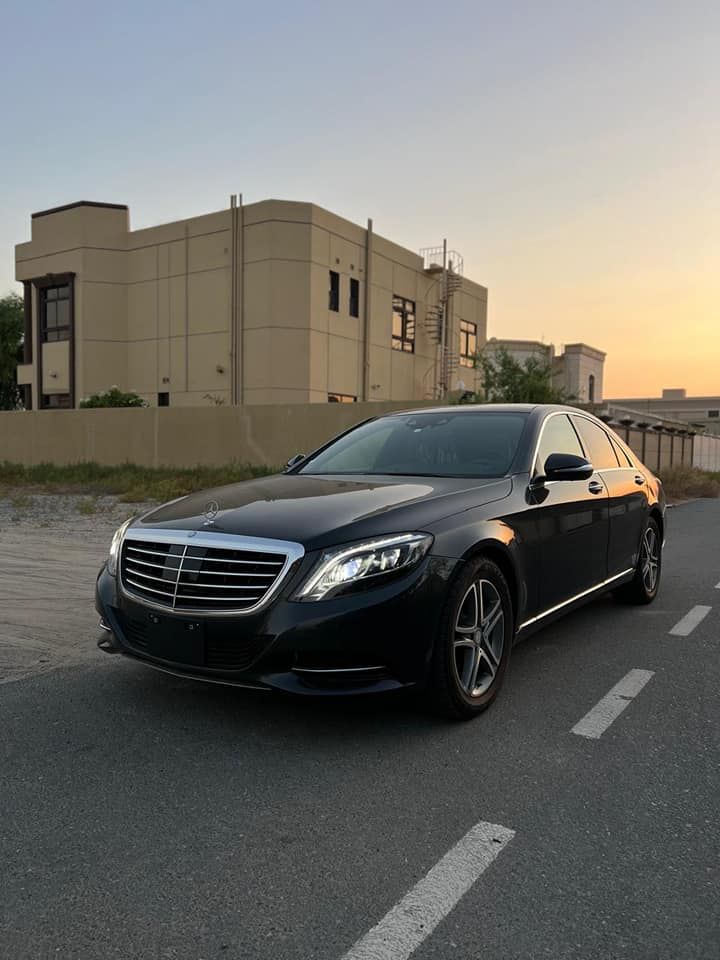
(294, 461)
(566, 466)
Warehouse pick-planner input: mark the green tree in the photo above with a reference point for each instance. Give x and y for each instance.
(12, 322)
(506, 380)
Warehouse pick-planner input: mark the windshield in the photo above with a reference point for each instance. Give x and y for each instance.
(447, 444)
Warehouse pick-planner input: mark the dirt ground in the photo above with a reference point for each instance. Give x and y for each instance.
(51, 547)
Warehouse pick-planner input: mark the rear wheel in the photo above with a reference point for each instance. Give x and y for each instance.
(472, 651)
(643, 587)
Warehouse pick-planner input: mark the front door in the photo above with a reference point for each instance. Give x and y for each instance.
(572, 522)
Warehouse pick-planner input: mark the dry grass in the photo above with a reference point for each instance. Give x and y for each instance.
(132, 484)
(687, 483)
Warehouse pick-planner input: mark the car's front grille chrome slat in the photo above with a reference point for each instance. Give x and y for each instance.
(212, 573)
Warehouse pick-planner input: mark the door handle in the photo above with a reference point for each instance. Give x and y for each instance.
(639, 480)
(596, 487)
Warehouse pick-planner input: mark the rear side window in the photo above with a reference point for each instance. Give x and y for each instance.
(624, 459)
(558, 436)
(598, 446)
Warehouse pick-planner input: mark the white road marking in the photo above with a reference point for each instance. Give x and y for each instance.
(413, 919)
(605, 711)
(685, 627)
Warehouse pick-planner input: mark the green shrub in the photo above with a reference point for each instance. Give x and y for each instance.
(114, 397)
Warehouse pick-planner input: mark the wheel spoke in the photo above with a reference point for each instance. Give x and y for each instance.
(493, 618)
(469, 615)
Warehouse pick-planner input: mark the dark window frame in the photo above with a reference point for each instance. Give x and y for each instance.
(63, 294)
(334, 291)
(354, 297)
(163, 399)
(48, 401)
(713, 414)
(40, 284)
(467, 358)
(404, 340)
(591, 388)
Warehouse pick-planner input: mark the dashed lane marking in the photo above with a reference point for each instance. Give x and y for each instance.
(684, 627)
(607, 710)
(413, 919)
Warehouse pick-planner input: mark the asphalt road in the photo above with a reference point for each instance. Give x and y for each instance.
(147, 817)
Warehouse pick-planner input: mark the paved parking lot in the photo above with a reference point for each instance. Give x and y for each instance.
(143, 816)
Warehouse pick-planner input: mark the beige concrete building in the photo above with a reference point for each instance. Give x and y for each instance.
(272, 302)
(675, 404)
(578, 369)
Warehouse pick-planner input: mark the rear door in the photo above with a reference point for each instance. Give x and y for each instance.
(627, 488)
(572, 521)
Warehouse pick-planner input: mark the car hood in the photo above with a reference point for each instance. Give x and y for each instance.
(318, 511)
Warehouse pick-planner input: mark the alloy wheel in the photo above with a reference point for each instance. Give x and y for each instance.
(650, 559)
(479, 637)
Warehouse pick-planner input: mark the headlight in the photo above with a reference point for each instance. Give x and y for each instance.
(345, 566)
(112, 561)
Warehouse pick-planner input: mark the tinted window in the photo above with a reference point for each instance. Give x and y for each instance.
(334, 291)
(624, 459)
(426, 444)
(598, 448)
(558, 436)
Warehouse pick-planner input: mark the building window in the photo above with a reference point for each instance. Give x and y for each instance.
(403, 325)
(55, 313)
(713, 414)
(468, 343)
(341, 398)
(591, 388)
(354, 297)
(56, 401)
(334, 291)
(163, 399)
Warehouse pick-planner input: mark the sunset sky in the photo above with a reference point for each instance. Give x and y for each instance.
(569, 150)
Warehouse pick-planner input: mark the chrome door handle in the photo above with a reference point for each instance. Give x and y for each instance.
(596, 487)
(639, 480)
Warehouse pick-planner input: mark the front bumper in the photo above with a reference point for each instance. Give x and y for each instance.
(377, 640)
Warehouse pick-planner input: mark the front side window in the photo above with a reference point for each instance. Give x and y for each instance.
(334, 291)
(557, 436)
(447, 444)
(55, 313)
(468, 343)
(403, 325)
(598, 447)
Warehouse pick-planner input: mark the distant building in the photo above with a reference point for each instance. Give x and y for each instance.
(675, 404)
(271, 302)
(577, 370)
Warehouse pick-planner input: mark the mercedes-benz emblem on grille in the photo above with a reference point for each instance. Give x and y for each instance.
(211, 511)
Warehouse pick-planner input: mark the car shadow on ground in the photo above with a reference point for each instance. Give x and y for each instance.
(557, 650)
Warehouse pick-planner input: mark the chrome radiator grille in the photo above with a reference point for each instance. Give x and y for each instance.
(197, 576)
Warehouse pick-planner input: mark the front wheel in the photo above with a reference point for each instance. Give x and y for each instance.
(643, 587)
(473, 648)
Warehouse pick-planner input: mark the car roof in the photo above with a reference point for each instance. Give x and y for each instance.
(486, 408)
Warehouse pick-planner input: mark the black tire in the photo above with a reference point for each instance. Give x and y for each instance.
(445, 693)
(639, 591)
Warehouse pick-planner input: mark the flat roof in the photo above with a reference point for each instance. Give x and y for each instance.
(79, 203)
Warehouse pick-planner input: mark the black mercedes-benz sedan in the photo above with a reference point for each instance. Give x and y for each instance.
(411, 551)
